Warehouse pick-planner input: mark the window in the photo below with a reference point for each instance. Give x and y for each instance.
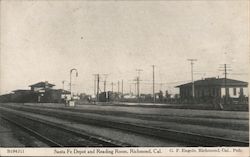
(241, 91)
(234, 91)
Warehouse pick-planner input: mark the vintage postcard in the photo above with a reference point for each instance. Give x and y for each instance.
(124, 78)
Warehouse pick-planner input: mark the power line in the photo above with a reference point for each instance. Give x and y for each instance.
(166, 83)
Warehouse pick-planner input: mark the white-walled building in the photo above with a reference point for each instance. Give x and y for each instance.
(214, 87)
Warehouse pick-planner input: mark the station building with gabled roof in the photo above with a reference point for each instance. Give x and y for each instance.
(46, 93)
(39, 92)
(214, 87)
(41, 86)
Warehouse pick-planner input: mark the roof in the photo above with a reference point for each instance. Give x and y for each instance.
(20, 90)
(216, 82)
(64, 91)
(42, 84)
(61, 91)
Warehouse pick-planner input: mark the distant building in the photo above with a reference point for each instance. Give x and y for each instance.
(40, 92)
(5, 97)
(214, 87)
(22, 95)
(64, 94)
(103, 97)
(41, 86)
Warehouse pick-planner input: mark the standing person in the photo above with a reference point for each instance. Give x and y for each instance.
(221, 105)
(217, 103)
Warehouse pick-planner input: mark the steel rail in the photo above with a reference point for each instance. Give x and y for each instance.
(93, 138)
(188, 120)
(37, 135)
(192, 139)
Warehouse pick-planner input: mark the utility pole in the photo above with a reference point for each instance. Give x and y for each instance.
(225, 84)
(153, 83)
(138, 83)
(118, 87)
(98, 81)
(192, 75)
(225, 72)
(95, 79)
(112, 86)
(226, 91)
(135, 87)
(122, 88)
(138, 88)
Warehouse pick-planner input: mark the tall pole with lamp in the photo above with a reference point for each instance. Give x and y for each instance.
(70, 80)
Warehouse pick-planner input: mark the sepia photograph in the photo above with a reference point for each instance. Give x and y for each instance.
(124, 77)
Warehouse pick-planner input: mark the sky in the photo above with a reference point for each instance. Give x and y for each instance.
(42, 40)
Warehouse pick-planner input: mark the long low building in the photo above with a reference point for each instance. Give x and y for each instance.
(40, 92)
(214, 88)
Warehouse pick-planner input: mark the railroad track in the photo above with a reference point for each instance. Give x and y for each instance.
(34, 133)
(190, 139)
(56, 135)
(202, 121)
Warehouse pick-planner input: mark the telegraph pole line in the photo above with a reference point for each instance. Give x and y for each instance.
(153, 83)
(192, 75)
